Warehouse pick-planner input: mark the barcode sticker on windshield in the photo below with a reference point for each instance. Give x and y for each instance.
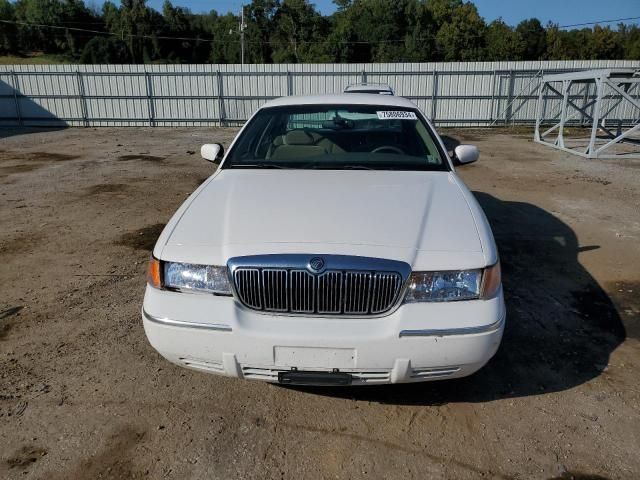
(396, 115)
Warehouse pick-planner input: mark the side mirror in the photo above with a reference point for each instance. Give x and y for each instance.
(213, 152)
(466, 154)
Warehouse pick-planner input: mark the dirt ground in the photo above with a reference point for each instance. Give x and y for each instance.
(83, 395)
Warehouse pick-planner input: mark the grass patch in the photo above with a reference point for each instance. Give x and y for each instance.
(37, 59)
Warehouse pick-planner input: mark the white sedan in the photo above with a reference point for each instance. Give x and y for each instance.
(334, 245)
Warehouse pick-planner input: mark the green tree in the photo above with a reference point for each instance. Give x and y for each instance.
(605, 44)
(106, 50)
(377, 31)
(534, 38)
(226, 41)
(137, 25)
(556, 47)
(340, 44)
(503, 42)
(298, 32)
(462, 37)
(294, 31)
(630, 41)
(567, 44)
(443, 10)
(420, 34)
(183, 40)
(259, 19)
(53, 12)
(8, 32)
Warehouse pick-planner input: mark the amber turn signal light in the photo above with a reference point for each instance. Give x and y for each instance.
(153, 273)
(491, 281)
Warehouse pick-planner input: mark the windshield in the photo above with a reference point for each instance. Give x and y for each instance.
(339, 137)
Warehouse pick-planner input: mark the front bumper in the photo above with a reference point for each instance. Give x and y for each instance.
(417, 342)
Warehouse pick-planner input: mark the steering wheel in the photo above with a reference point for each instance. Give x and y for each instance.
(388, 148)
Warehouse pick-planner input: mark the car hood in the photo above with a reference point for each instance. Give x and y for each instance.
(390, 214)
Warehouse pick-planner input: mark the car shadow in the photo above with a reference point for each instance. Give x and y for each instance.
(561, 325)
(20, 115)
(6, 132)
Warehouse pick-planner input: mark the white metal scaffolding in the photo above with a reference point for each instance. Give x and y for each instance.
(612, 88)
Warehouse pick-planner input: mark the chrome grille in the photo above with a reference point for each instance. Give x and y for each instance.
(247, 283)
(274, 290)
(383, 291)
(302, 291)
(334, 292)
(330, 292)
(356, 296)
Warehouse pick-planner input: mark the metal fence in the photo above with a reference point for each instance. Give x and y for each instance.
(453, 94)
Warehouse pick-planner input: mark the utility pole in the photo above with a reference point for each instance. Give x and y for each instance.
(242, 27)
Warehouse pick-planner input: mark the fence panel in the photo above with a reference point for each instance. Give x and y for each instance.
(453, 94)
(9, 109)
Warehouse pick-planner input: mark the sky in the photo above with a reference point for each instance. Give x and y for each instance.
(562, 12)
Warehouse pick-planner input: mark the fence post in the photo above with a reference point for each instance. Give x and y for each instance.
(83, 99)
(221, 114)
(14, 80)
(509, 111)
(434, 96)
(364, 77)
(493, 96)
(147, 77)
(289, 84)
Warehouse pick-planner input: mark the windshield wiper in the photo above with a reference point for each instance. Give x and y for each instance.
(341, 167)
(313, 166)
(257, 165)
(356, 167)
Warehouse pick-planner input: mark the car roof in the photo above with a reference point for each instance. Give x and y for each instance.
(342, 98)
(368, 87)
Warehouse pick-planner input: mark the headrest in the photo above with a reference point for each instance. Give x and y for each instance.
(298, 137)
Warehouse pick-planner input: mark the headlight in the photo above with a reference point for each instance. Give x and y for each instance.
(453, 285)
(190, 277)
